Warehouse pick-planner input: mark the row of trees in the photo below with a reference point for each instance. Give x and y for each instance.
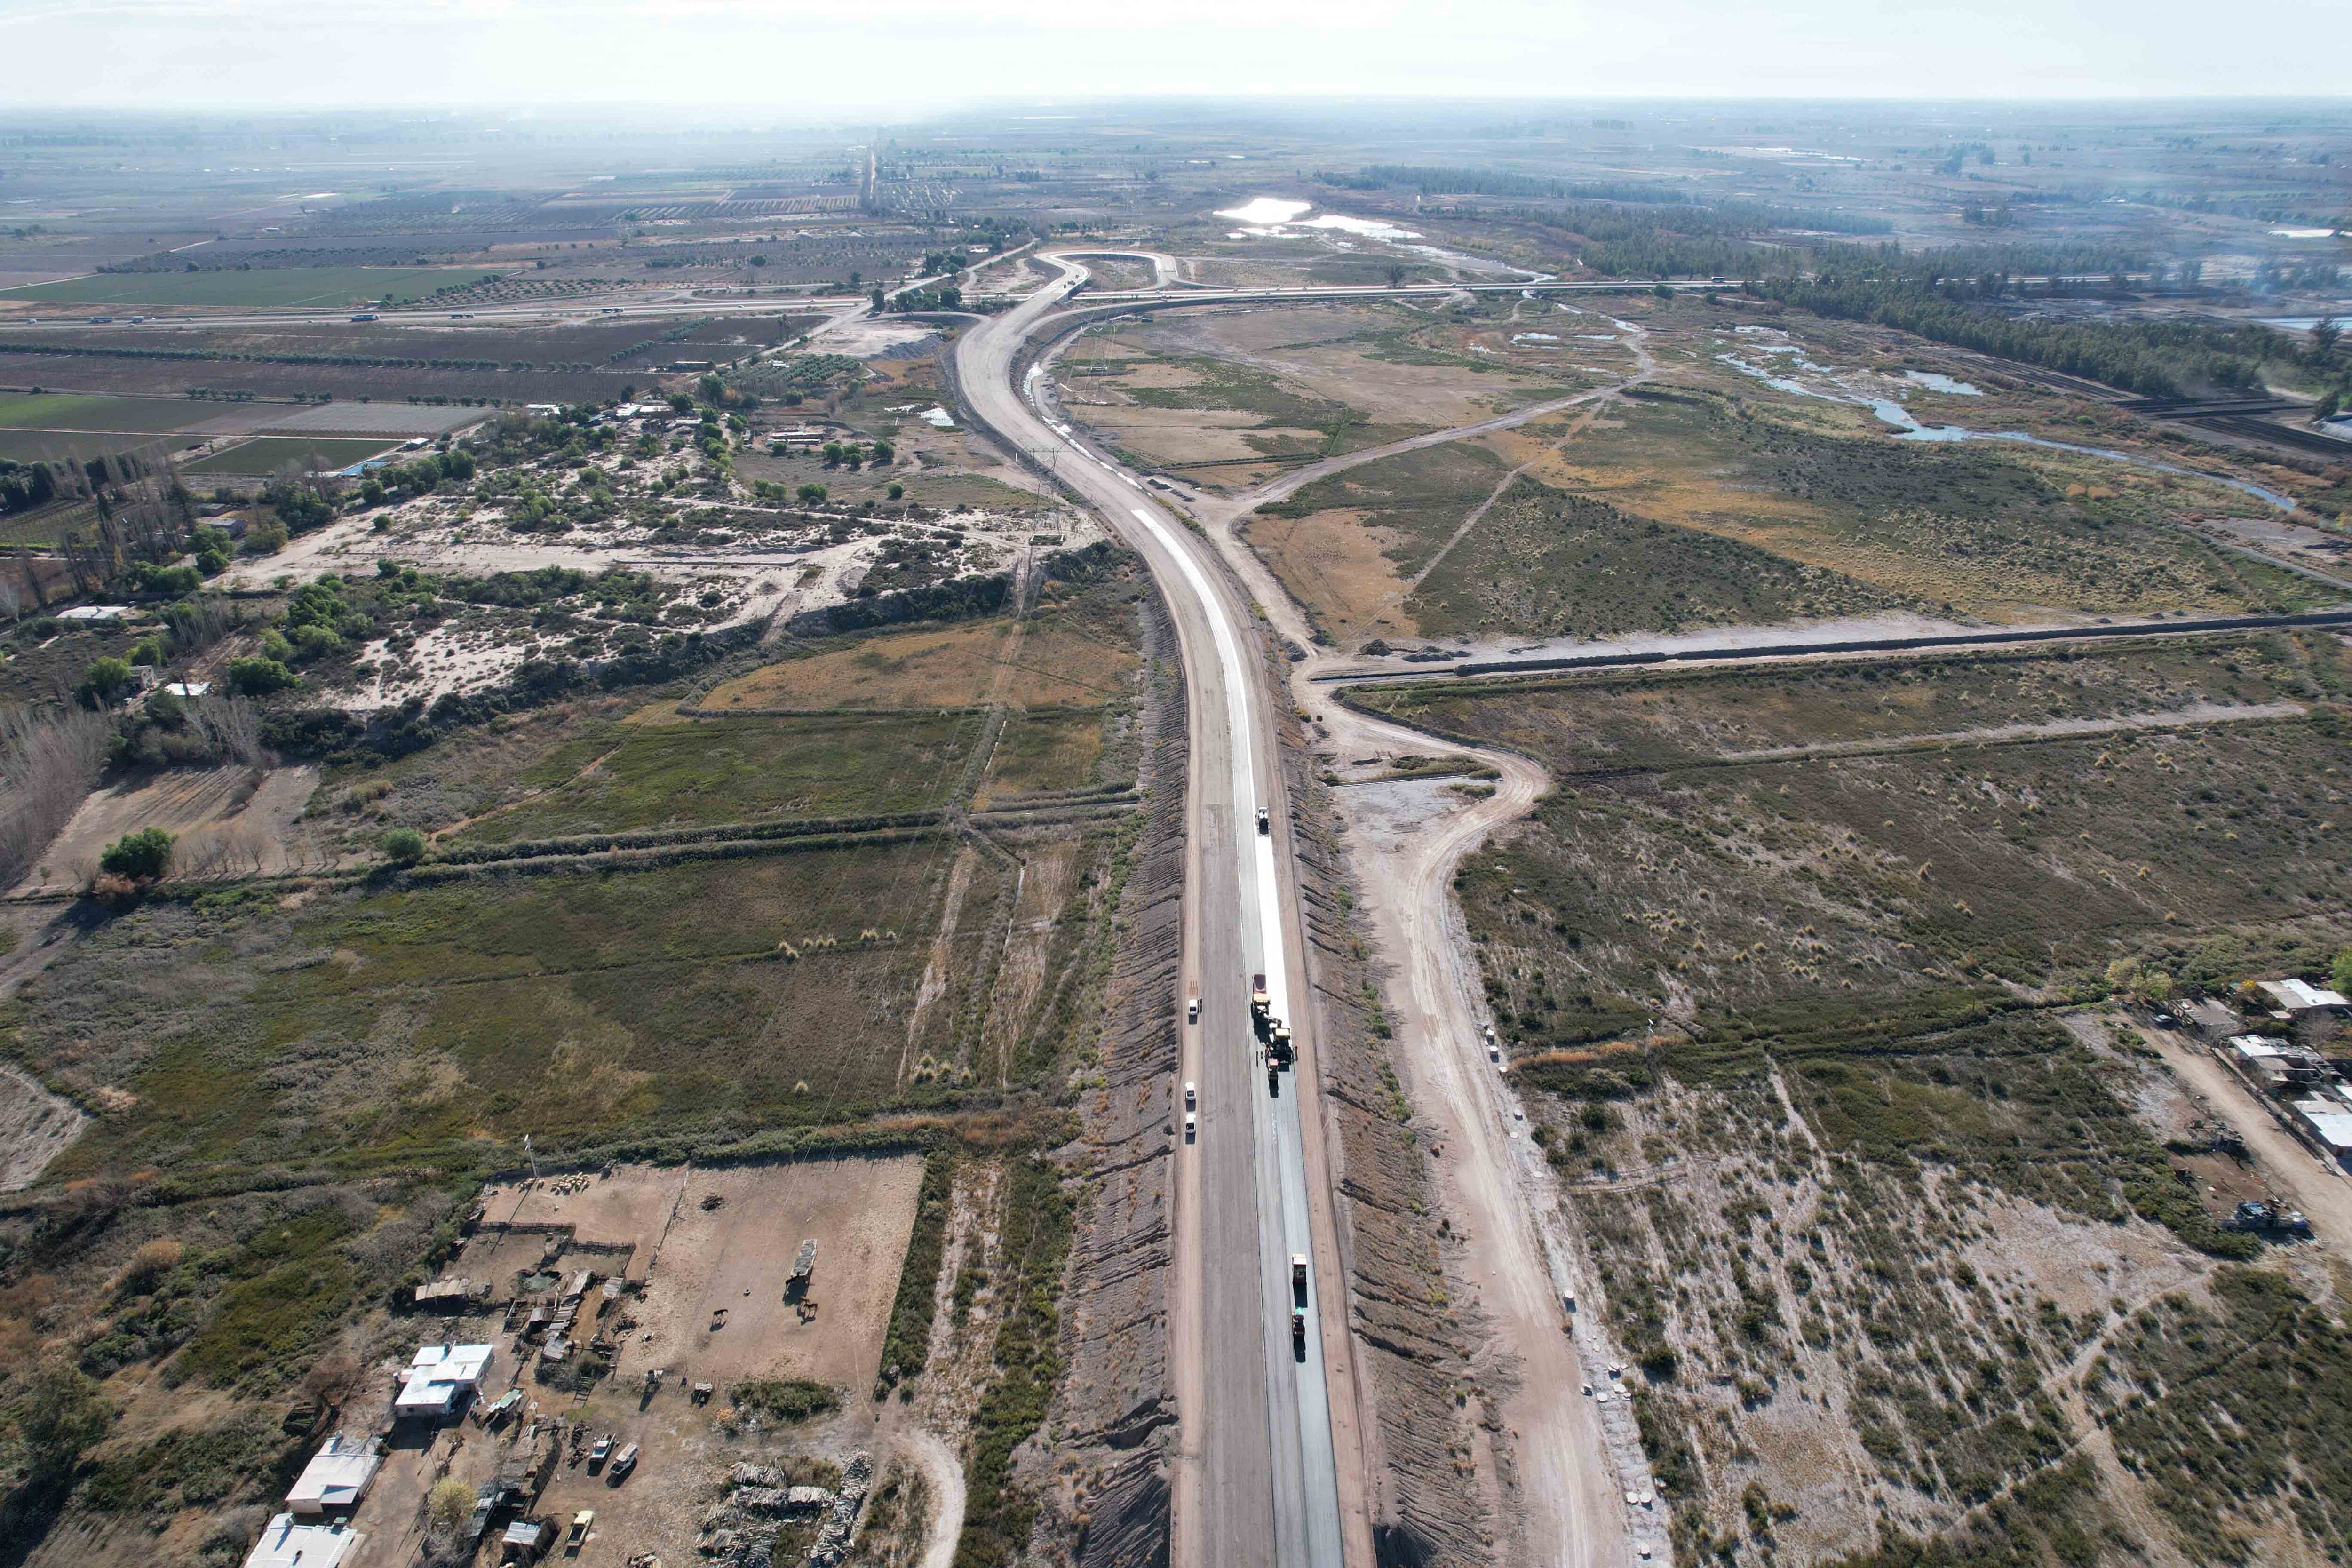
(2156, 359)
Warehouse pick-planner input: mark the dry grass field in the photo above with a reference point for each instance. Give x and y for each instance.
(1897, 1224)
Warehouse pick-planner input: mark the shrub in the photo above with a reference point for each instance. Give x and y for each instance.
(313, 642)
(260, 677)
(402, 846)
(265, 538)
(143, 855)
(153, 1260)
(448, 1505)
(784, 1400)
(105, 679)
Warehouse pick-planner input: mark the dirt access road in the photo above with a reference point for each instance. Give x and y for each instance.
(2319, 1189)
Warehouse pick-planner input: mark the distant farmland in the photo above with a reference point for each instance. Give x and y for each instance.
(271, 453)
(323, 287)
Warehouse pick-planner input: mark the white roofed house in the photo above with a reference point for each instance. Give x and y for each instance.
(2296, 997)
(288, 1542)
(440, 1380)
(335, 1480)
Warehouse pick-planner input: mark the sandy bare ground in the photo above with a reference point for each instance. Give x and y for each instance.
(945, 1478)
(35, 1127)
(2055, 729)
(726, 1266)
(228, 824)
(2321, 1191)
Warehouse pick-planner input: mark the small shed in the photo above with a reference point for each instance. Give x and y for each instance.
(453, 1295)
(524, 1540)
(2213, 1020)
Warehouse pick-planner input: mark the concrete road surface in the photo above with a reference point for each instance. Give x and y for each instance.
(1258, 1481)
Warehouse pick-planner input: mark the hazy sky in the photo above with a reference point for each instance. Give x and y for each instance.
(904, 60)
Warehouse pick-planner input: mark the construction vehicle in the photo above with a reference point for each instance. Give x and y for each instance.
(1299, 1332)
(1298, 1277)
(1279, 1052)
(1261, 1007)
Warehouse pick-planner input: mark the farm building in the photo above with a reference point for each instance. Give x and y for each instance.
(286, 1543)
(440, 1379)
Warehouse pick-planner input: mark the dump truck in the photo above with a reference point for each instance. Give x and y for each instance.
(1278, 1049)
(1261, 1007)
(1299, 1276)
(1299, 1332)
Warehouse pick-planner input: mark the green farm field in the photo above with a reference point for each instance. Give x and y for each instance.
(71, 411)
(432, 1016)
(33, 446)
(616, 778)
(323, 287)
